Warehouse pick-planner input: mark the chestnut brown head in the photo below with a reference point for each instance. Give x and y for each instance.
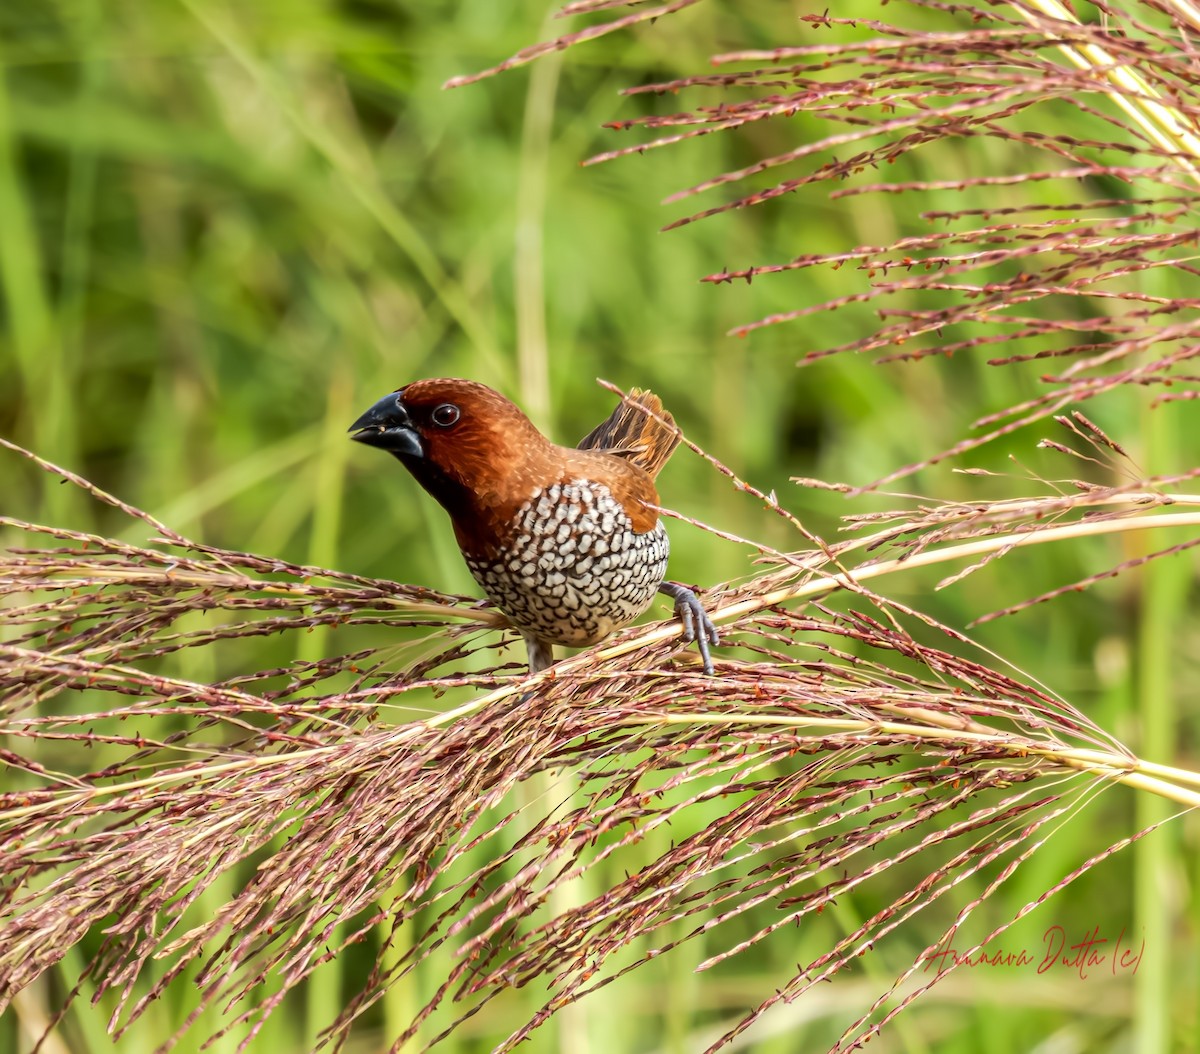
(463, 442)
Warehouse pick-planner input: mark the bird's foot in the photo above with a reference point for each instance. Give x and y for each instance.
(697, 626)
(540, 653)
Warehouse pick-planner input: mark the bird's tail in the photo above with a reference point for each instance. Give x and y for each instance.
(634, 435)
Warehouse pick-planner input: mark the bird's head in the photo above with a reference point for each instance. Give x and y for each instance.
(463, 442)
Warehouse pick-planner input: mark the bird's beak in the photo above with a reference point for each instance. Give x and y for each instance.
(388, 426)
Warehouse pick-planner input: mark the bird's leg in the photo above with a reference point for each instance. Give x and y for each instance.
(697, 626)
(541, 654)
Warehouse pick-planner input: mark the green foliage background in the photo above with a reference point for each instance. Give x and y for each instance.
(226, 229)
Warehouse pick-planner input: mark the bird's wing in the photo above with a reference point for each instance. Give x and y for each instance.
(639, 438)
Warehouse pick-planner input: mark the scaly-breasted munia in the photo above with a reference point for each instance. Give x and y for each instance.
(566, 542)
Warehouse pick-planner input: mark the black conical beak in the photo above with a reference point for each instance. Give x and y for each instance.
(388, 426)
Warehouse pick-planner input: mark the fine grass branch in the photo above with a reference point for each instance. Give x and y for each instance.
(1076, 246)
(834, 747)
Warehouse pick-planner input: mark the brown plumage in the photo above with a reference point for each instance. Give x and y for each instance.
(636, 436)
(565, 540)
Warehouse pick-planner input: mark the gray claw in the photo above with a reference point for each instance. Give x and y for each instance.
(694, 618)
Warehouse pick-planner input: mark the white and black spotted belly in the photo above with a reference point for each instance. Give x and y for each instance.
(576, 570)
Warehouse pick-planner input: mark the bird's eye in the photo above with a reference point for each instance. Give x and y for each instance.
(446, 415)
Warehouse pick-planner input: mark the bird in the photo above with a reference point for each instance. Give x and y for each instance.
(565, 541)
